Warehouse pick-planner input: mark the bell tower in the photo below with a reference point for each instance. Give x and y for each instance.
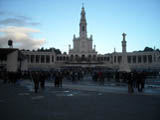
(82, 45)
(83, 25)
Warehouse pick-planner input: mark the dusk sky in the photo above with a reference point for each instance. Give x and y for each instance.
(33, 24)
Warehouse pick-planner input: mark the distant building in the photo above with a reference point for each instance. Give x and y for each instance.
(12, 60)
(84, 55)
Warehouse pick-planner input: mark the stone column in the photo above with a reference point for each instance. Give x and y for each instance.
(124, 67)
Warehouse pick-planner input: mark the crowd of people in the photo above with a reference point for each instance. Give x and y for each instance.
(133, 79)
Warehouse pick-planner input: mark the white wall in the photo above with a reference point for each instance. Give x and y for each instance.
(12, 61)
(24, 65)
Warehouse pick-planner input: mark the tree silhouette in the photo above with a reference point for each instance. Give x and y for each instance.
(148, 49)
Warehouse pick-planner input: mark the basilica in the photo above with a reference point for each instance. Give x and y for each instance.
(82, 54)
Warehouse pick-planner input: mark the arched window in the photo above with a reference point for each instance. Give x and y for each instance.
(58, 58)
(47, 59)
(119, 59)
(64, 58)
(71, 58)
(94, 57)
(76, 57)
(89, 57)
(139, 59)
(42, 58)
(150, 58)
(32, 58)
(37, 58)
(83, 57)
(144, 58)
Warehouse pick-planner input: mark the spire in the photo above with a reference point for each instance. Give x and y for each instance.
(124, 36)
(124, 43)
(83, 24)
(114, 50)
(83, 17)
(82, 4)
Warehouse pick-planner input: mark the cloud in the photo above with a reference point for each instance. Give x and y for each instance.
(16, 27)
(23, 17)
(21, 36)
(17, 22)
(2, 13)
(12, 19)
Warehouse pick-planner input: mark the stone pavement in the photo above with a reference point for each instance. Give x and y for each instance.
(75, 102)
(109, 87)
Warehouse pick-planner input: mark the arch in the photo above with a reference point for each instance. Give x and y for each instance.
(76, 57)
(47, 58)
(32, 58)
(42, 58)
(64, 58)
(71, 57)
(83, 57)
(57, 58)
(94, 57)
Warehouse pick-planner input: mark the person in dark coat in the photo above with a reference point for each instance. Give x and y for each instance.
(60, 79)
(141, 81)
(35, 77)
(42, 80)
(130, 82)
(56, 81)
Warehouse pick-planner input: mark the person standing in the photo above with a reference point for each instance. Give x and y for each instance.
(60, 79)
(130, 82)
(56, 81)
(42, 79)
(35, 77)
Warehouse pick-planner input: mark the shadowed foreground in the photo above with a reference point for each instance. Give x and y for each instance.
(18, 103)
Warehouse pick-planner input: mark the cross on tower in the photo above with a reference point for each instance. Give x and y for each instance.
(82, 3)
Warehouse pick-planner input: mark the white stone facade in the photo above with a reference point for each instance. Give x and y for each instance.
(84, 55)
(82, 45)
(12, 61)
(40, 60)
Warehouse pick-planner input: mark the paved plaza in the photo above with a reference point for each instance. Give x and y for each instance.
(77, 101)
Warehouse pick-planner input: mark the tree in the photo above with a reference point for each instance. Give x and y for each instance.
(158, 50)
(148, 49)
